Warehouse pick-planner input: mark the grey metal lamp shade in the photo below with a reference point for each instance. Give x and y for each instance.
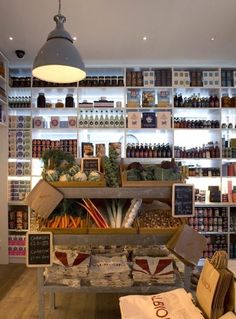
(58, 60)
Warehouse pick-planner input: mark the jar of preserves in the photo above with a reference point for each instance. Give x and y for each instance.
(120, 81)
(101, 81)
(114, 81)
(41, 101)
(59, 104)
(69, 100)
(107, 81)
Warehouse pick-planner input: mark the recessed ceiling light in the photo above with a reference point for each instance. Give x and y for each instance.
(74, 38)
(144, 38)
(212, 39)
(10, 38)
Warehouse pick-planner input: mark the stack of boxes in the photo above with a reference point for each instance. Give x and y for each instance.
(211, 78)
(181, 79)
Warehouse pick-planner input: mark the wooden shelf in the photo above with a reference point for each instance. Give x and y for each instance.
(163, 192)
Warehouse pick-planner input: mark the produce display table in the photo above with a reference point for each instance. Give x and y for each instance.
(109, 237)
(112, 236)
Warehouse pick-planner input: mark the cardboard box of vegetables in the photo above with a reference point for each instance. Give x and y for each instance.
(151, 175)
(61, 170)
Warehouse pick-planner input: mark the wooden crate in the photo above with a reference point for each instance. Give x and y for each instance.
(156, 183)
(86, 184)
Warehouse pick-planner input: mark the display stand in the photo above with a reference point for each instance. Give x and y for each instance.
(156, 238)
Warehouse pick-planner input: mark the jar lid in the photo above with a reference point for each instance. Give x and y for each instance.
(69, 95)
(41, 93)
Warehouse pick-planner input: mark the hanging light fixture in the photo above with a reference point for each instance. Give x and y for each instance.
(58, 60)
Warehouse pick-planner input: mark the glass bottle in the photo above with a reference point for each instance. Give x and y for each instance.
(96, 120)
(145, 151)
(41, 101)
(116, 120)
(128, 150)
(101, 120)
(86, 119)
(137, 150)
(122, 120)
(69, 101)
(81, 119)
(106, 122)
(111, 120)
(91, 120)
(141, 150)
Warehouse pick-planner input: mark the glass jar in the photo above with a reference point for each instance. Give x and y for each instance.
(101, 81)
(107, 80)
(114, 80)
(120, 81)
(69, 100)
(59, 104)
(41, 101)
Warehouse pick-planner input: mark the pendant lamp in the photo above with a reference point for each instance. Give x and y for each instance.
(58, 60)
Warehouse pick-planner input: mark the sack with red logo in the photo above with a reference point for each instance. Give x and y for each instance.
(174, 304)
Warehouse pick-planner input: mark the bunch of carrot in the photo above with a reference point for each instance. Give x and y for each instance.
(94, 213)
(65, 221)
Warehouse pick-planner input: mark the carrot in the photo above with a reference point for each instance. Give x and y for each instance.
(56, 222)
(65, 221)
(78, 221)
(73, 222)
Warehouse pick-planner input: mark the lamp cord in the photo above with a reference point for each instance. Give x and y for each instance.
(59, 9)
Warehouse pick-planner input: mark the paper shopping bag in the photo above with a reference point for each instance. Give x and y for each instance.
(213, 293)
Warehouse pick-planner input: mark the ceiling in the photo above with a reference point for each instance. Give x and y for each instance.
(110, 32)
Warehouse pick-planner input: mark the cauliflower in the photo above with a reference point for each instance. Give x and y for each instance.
(80, 177)
(65, 178)
(94, 176)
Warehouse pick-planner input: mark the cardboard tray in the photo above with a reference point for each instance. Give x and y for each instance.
(87, 184)
(156, 183)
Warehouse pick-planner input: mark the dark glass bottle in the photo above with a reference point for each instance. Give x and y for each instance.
(41, 101)
(69, 102)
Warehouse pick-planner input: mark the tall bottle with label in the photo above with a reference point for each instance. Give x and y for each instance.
(106, 122)
(81, 119)
(101, 120)
(111, 120)
(122, 120)
(96, 120)
(117, 119)
(91, 120)
(86, 119)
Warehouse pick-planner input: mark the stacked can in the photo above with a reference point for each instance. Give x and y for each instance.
(39, 146)
(18, 190)
(19, 144)
(215, 243)
(19, 122)
(209, 219)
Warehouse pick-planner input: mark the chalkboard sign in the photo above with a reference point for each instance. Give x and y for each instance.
(38, 249)
(90, 164)
(182, 200)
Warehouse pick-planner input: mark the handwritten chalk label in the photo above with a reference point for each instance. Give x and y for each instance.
(182, 200)
(90, 164)
(38, 249)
